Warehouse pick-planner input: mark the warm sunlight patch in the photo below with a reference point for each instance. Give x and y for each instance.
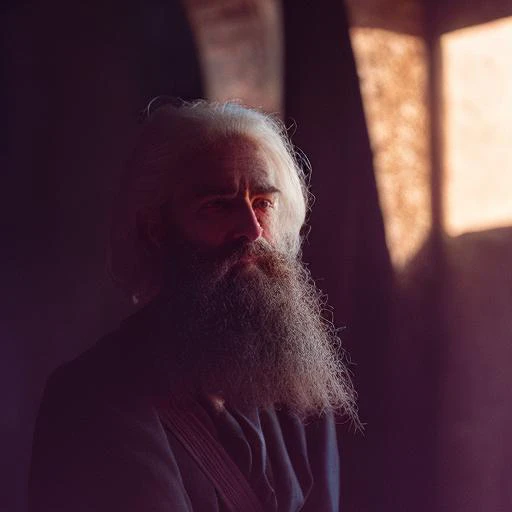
(392, 68)
(477, 90)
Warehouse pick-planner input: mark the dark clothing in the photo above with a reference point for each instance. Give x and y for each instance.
(100, 444)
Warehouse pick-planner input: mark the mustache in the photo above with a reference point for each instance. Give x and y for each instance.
(259, 250)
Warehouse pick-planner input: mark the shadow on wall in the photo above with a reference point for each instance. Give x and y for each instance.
(475, 451)
(452, 381)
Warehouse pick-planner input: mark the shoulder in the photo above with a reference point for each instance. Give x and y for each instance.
(122, 363)
(102, 390)
(99, 443)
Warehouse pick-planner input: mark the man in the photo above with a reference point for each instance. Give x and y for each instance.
(223, 391)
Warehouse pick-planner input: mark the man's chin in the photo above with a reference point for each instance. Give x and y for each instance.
(246, 265)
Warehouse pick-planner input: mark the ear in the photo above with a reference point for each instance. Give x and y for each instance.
(151, 228)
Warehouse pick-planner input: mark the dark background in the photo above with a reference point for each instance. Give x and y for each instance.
(433, 385)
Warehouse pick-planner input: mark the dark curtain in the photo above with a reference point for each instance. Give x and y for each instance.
(76, 75)
(346, 248)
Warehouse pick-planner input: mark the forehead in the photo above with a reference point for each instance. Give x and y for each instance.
(228, 164)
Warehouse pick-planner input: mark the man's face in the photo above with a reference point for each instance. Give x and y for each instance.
(225, 195)
(243, 316)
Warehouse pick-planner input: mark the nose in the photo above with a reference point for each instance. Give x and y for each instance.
(246, 224)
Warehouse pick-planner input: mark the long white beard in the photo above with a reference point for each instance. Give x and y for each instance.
(253, 332)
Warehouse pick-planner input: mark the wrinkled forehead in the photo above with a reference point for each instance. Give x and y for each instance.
(226, 163)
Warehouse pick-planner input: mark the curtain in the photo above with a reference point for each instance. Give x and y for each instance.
(346, 248)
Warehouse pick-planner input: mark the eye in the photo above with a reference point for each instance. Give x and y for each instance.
(263, 204)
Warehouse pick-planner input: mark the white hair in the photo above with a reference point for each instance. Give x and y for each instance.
(168, 137)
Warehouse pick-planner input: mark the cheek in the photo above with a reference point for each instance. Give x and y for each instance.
(209, 233)
(283, 231)
(271, 228)
(200, 231)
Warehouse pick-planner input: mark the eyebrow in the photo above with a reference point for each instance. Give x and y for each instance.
(265, 189)
(219, 191)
